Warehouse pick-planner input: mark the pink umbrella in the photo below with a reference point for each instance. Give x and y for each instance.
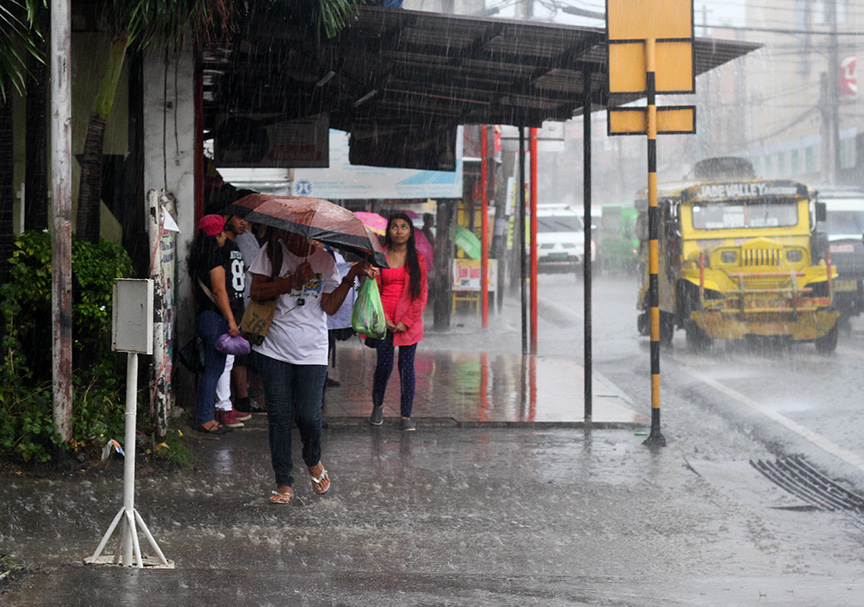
(373, 221)
(424, 247)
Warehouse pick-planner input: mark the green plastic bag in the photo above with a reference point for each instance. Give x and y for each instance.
(367, 317)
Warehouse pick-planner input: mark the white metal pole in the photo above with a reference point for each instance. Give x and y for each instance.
(132, 308)
(129, 461)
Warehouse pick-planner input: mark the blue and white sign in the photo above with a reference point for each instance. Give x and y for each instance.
(342, 180)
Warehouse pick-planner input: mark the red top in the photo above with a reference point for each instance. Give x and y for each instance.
(409, 310)
(392, 282)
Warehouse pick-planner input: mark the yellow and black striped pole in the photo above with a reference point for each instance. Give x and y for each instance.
(647, 38)
(655, 437)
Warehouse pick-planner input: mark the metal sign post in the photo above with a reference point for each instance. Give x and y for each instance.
(650, 51)
(484, 225)
(132, 333)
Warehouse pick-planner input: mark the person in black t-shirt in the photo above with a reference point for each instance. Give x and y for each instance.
(227, 413)
(218, 298)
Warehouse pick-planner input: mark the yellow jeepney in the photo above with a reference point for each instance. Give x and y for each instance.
(740, 258)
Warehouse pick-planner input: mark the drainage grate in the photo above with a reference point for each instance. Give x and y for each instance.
(802, 480)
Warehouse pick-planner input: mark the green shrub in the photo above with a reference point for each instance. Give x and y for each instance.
(28, 430)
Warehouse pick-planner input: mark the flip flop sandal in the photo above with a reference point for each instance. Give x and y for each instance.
(282, 498)
(317, 483)
(217, 429)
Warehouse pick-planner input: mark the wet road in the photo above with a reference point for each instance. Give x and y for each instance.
(486, 516)
(790, 398)
(446, 517)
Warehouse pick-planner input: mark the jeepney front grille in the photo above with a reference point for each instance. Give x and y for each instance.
(754, 283)
(760, 257)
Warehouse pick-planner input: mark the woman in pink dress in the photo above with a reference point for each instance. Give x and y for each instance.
(404, 290)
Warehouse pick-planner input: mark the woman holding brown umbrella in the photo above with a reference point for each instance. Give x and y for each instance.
(292, 359)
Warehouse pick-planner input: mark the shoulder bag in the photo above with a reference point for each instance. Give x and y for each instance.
(257, 319)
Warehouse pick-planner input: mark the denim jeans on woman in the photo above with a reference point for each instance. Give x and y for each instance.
(211, 325)
(292, 392)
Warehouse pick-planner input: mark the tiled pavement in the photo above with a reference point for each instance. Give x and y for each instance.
(469, 387)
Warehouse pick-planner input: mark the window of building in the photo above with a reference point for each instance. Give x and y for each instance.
(847, 153)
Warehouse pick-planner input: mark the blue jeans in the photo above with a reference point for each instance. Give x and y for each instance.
(292, 392)
(211, 325)
(384, 367)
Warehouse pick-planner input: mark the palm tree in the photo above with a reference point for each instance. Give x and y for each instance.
(139, 24)
(17, 42)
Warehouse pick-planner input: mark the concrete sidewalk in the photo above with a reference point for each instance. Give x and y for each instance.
(469, 375)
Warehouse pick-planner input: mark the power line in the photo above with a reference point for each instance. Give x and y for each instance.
(771, 30)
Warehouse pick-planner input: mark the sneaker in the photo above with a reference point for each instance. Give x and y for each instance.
(241, 416)
(408, 425)
(377, 417)
(227, 419)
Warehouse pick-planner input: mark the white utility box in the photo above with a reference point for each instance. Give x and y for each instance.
(132, 329)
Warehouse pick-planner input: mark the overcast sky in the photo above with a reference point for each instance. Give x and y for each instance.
(717, 12)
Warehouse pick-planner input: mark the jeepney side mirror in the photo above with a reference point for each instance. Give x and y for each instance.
(821, 211)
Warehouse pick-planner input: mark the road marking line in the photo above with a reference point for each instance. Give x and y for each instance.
(817, 439)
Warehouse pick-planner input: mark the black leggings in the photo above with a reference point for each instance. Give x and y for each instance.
(385, 367)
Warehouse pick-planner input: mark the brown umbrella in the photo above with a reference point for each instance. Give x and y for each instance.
(313, 218)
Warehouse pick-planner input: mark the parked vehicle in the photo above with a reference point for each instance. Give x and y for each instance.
(845, 227)
(560, 239)
(738, 258)
(619, 243)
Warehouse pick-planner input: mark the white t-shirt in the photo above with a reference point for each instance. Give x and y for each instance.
(298, 334)
(342, 318)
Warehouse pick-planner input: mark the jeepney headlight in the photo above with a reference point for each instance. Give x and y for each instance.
(794, 255)
(728, 257)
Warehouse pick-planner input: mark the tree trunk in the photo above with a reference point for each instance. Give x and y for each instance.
(7, 193)
(36, 153)
(87, 224)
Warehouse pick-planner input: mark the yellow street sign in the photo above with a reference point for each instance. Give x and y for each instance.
(672, 120)
(644, 19)
(673, 67)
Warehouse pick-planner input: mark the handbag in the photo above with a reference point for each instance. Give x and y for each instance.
(256, 320)
(191, 355)
(371, 342)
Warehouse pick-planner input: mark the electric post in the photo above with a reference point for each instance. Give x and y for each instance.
(832, 96)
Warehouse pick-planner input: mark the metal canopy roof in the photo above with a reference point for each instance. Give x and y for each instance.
(395, 68)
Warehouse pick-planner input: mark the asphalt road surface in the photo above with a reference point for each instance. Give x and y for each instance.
(787, 397)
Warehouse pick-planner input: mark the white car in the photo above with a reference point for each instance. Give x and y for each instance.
(560, 239)
(845, 226)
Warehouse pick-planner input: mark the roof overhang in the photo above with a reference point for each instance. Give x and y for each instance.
(393, 68)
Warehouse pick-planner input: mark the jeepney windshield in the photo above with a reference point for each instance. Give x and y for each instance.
(736, 214)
